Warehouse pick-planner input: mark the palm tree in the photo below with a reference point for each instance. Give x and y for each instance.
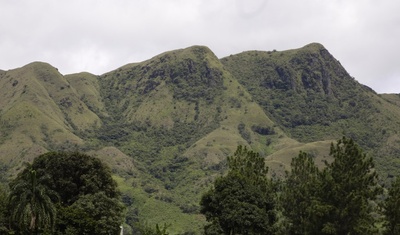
(31, 205)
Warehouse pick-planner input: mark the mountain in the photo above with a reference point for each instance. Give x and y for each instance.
(166, 125)
(311, 96)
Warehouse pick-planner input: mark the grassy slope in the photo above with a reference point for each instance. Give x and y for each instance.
(28, 114)
(40, 111)
(161, 106)
(166, 125)
(182, 89)
(151, 95)
(310, 95)
(88, 89)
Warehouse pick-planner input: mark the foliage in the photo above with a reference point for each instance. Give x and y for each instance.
(242, 202)
(350, 184)
(245, 134)
(75, 174)
(3, 210)
(91, 214)
(392, 209)
(86, 197)
(263, 130)
(300, 199)
(31, 203)
(336, 200)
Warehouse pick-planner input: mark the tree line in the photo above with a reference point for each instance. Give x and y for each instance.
(343, 198)
(73, 193)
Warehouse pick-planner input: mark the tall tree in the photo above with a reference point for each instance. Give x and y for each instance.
(349, 186)
(74, 174)
(301, 196)
(88, 198)
(84, 183)
(243, 201)
(392, 209)
(31, 202)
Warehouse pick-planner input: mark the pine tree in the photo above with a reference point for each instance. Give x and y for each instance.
(336, 200)
(301, 196)
(349, 187)
(241, 202)
(392, 209)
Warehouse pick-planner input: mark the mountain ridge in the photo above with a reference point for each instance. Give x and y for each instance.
(166, 125)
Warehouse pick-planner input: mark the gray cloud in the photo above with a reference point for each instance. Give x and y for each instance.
(100, 35)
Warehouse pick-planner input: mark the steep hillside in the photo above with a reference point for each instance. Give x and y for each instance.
(87, 88)
(166, 125)
(39, 111)
(312, 97)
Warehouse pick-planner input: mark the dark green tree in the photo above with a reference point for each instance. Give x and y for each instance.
(88, 196)
(31, 203)
(392, 209)
(243, 201)
(301, 196)
(349, 185)
(3, 209)
(75, 174)
(92, 214)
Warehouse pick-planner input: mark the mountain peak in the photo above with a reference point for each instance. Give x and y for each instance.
(199, 49)
(314, 46)
(192, 52)
(39, 65)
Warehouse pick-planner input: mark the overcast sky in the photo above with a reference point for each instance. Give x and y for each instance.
(101, 35)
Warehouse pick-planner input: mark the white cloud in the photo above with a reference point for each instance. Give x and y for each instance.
(101, 35)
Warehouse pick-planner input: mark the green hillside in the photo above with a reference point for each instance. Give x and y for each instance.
(311, 97)
(166, 125)
(40, 111)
